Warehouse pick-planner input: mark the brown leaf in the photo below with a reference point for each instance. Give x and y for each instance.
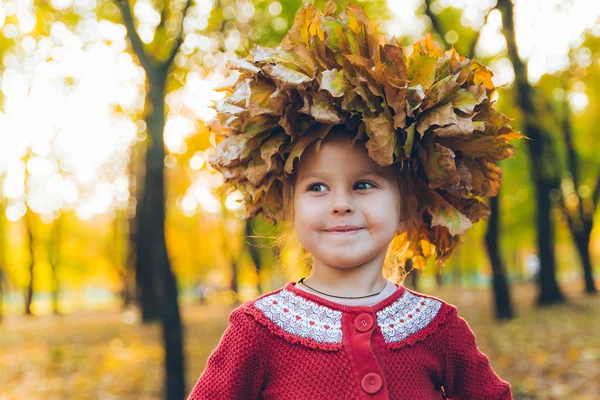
(233, 149)
(414, 98)
(463, 127)
(370, 30)
(444, 215)
(439, 165)
(472, 208)
(324, 110)
(243, 65)
(382, 138)
(439, 92)
(467, 100)
(466, 179)
(317, 133)
(333, 81)
(264, 99)
(478, 145)
(286, 78)
(410, 138)
(487, 176)
(330, 7)
(272, 201)
(257, 169)
(438, 116)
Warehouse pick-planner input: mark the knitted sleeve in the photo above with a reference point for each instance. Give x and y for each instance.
(235, 368)
(467, 371)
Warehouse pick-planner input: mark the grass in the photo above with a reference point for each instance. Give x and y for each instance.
(548, 353)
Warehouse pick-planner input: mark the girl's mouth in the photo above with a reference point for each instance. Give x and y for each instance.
(343, 229)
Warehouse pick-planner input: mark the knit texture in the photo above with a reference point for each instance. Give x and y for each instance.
(280, 352)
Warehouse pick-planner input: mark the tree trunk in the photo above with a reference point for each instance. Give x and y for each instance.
(581, 231)
(457, 265)
(153, 269)
(414, 279)
(54, 259)
(1, 292)
(438, 279)
(3, 258)
(549, 290)
(254, 252)
(123, 261)
(139, 237)
(544, 170)
(582, 240)
(29, 230)
(501, 291)
(233, 284)
(152, 251)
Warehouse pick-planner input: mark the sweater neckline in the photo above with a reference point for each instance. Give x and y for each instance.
(291, 286)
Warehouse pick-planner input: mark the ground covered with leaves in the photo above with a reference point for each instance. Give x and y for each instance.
(549, 353)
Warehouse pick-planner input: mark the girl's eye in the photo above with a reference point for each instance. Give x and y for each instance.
(316, 185)
(359, 184)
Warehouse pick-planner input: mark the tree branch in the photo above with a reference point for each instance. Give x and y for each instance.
(435, 23)
(478, 34)
(596, 194)
(437, 26)
(179, 40)
(572, 156)
(565, 210)
(134, 38)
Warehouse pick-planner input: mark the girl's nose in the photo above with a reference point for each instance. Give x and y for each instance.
(342, 206)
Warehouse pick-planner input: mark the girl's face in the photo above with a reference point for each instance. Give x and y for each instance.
(346, 207)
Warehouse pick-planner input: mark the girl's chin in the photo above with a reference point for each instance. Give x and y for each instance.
(343, 261)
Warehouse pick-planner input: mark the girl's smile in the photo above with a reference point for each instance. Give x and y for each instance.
(343, 229)
(346, 211)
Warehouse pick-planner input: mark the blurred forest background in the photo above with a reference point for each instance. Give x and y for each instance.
(120, 259)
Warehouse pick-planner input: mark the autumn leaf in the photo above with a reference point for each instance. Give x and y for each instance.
(421, 70)
(430, 111)
(323, 110)
(463, 127)
(439, 116)
(319, 132)
(286, 78)
(439, 165)
(443, 214)
(466, 100)
(382, 138)
(264, 99)
(333, 81)
(479, 145)
(486, 176)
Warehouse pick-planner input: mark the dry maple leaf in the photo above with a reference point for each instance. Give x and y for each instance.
(430, 111)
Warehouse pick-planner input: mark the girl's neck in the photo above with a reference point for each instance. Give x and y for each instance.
(362, 280)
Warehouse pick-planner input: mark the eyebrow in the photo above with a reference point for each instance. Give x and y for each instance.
(319, 175)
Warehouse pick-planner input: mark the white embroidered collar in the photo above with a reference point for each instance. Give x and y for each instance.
(307, 316)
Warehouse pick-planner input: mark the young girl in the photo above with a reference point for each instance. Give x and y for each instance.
(377, 160)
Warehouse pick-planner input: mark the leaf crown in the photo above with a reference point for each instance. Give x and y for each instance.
(428, 110)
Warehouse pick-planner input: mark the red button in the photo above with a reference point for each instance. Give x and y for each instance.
(363, 322)
(371, 383)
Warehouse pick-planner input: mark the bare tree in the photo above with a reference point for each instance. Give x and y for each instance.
(543, 167)
(502, 302)
(581, 219)
(151, 251)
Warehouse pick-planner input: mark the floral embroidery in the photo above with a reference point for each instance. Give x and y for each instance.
(305, 318)
(302, 317)
(407, 315)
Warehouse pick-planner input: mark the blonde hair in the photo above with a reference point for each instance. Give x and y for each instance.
(393, 268)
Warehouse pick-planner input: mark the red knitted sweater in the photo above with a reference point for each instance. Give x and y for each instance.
(290, 344)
